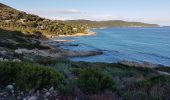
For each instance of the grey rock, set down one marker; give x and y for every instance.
(31, 91)
(138, 64)
(47, 94)
(33, 98)
(24, 98)
(38, 93)
(51, 89)
(10, 87)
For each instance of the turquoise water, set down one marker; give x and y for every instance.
(133, 44)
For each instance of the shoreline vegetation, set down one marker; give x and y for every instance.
(34, 67)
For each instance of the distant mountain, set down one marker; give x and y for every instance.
(166, 26)
(111, 23)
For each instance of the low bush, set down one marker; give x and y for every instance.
(67, 87)
(28, 76)
(51, 61)
(92, 80)
(155, 88)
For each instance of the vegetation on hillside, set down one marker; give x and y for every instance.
(92, 78)
(164, 69)
(29, 76)
(111, 23)
(13, 19)
(15, 40)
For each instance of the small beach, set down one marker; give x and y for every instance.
(86, 33)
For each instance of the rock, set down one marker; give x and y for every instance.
(38, 93)
(24, 98)
(10, 87)
(138, 64)
(47, 94)
(82, 53)
(18, 51)
(51, 89)
(54, 93)
(16, 60)
(33, 98)
(18, 98)
(1, 59)
(31, 91)
(45, 90)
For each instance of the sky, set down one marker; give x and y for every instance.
(150, 11)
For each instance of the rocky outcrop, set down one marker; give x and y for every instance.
(82, 53)
(10, 92)
(139, 64)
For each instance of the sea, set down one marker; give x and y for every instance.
(140, 44)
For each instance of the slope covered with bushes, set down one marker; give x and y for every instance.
(13, 19)
(28, 76)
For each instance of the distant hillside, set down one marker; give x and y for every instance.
(111, 23)
(16, 20)
(2, 6)
(13, 19)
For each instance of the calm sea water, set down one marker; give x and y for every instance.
(133, 44)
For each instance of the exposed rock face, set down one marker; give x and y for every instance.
(57, 52)
(10, 92)
(6, 55)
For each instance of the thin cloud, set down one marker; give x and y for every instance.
(54, 12)
(72, 14)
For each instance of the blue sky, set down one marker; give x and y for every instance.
(151, 11)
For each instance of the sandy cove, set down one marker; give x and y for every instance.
(86, 33)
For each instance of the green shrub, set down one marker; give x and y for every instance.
(28, 76)
(92, 80)
(51, 61)
(155, 88)
(67, 87)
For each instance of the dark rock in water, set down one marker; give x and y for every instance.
(64, 44)
(83, 53)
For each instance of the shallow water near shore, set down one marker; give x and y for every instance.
(132, 44)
